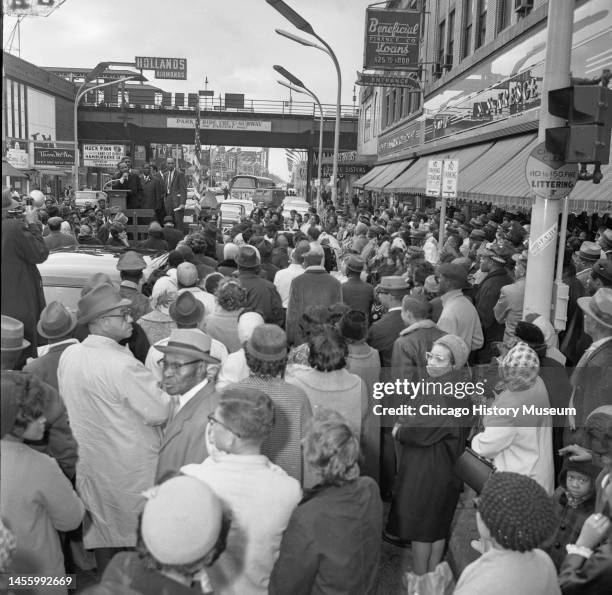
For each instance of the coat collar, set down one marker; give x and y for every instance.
(420, 324)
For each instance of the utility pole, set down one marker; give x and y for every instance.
(545, 212)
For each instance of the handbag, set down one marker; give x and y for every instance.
(473, 469)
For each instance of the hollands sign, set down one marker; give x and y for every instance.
(392, 39)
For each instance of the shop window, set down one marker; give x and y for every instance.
(450, 48)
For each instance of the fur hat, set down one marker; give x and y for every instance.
(516, 510)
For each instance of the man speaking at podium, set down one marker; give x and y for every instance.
(125, 180)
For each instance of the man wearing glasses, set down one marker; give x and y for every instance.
(114, 404)
(193, 398)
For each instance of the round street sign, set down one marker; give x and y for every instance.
(548, 175)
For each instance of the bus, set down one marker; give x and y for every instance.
(262, 191)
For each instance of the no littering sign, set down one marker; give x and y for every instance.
(549, 176)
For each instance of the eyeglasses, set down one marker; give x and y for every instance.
(175, 367)
(439, 358)
(125, 315)
(213, 420)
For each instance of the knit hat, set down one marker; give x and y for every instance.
(458, 348)
(181, 521)
(584, 467)
(520, 367)
(268, 343)
(516, 510)
(354, 325)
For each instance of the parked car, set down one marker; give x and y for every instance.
(66, 271)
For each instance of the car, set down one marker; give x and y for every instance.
(294, 204)
(249, 205)
(66, 271)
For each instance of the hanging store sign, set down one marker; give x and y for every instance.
(102, 155)
(404, 81)
(51, 156)
(239, 125)
(165, 68)
(392, 39)
(547, 176)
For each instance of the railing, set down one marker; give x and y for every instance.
(260, 106)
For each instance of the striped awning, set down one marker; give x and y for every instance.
(388, 175)
(363, 180)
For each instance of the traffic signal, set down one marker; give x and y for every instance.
(588, 111)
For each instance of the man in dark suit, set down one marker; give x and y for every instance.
(382, 337)
(357, 294)
(193, 399)
(152, 190)
(124, 180)
(175, 192)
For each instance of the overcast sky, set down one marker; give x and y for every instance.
(232, 42)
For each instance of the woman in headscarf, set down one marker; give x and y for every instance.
(426, 490)
(515, 438)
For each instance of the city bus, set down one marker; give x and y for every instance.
(262, 191)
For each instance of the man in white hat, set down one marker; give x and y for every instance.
(115, 407)
(592, 378)
(193, 398)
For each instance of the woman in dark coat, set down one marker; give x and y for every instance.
(426, 490)
(332, 542)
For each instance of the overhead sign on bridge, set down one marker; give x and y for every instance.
(220, 124)
(165, 68)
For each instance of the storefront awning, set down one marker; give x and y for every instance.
(479, 173)
(360, 183)
(9, 170)
(593, 198)
(413, 179)
(388, 175)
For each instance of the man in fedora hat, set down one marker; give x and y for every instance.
(115, 407)
(588, 254)
(494, 263)
(187, 312)
(601, 276)
(186, 357)
(23, 247)
(261, 293)
(131, 266)
(357, 294)
(315, 286)
(592, 378)
(382, 335)
(58, 441)
(56, 324)
(459, 316)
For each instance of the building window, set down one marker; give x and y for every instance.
(402, 102)
(367, 123)
(467, 28)
(451, 38)
(504, 14)
(482, 22)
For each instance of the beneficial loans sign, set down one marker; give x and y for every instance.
(392, 39)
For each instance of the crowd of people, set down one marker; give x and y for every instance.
(217, 425)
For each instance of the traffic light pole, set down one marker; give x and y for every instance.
(545, 212)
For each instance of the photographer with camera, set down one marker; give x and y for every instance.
(23, 248)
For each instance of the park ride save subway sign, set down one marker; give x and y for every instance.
(165, 68)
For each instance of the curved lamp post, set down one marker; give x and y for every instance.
(306, 91)
(303, 25)
(83, 90)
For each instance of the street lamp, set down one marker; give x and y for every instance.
(303, 25)
(306, 91)
(83, 90)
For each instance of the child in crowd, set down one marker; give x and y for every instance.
(515, 515)
(574, 501)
